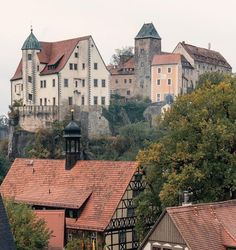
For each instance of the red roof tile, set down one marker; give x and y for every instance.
(166, 59)
(55, 221)
(52, 53)
(98, 185)
(206, 226)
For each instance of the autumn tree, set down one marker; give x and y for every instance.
(196, 153)
(28, 231)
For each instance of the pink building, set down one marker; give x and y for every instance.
(170, 76)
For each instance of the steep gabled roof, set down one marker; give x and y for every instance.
(204, 226)
(94, 186)
(205, 55)
(6, 238)
(55, 54)
(148, 31)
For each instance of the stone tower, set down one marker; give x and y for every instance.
(147, 44)
(30, 68)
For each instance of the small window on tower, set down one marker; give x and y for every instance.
(30, 97)
(29, 57)
(29, 79)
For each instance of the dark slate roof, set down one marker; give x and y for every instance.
(148, 31)
(6, 238)
(206, 55)
(31, 42)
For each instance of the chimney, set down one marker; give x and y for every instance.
(72, 137)
(186, 195)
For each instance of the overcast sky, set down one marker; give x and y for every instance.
(113, 24)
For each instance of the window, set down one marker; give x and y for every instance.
(76, 84)
(66, 83)
(75, 66)
(128, 92)
(95, 66)
(44, 83)
(95, 100)
(125, 80)
(53, 82)
(122, 236)
(71, 66)
(130, 212)
(117, 81)
(41, 84)
(158, 97)
(83, 65)
(130, 80)
(95, 82)
(21, 87)
(82, 100)
(29, 78)
(169, 81)
(103, 100)
(156, 248)
(158, 81)
(54, 101)
(76, 54)
(159, 70)
(83, 82)
(37, 67)
(103, 83)
(70, 100)
(41, 101)
(141, 51)
(45, 101)
(15, 88)
(29, 57)
(169, 70)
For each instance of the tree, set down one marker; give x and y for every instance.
(197, 151)
(28, 231)
(122, 55)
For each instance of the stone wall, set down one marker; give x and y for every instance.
(93, 123)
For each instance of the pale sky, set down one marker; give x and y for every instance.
(113, 24)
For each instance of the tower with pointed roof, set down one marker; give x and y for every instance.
(147, 44)
(29, 49)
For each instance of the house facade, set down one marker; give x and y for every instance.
(122, 79)
(202, 60)
(69, 72)
(193, 227)
(171, 75)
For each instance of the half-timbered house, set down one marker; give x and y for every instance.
(96, 196)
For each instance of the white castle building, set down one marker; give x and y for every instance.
(69, 72)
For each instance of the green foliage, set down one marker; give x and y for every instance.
(4, 166)
(126, 144)
(47, 143)
(121, 113)
(29, 232)
(212, 78)
(197, 152)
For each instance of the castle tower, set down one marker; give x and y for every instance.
(30, 68)
(147, 44)
(72, 137)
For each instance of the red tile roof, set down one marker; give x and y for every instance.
(55, 221)
(52, 53)
(97, 185)
(203, 226)
(206, 226)
(126, 68)
(166, 59)
(206, 55)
